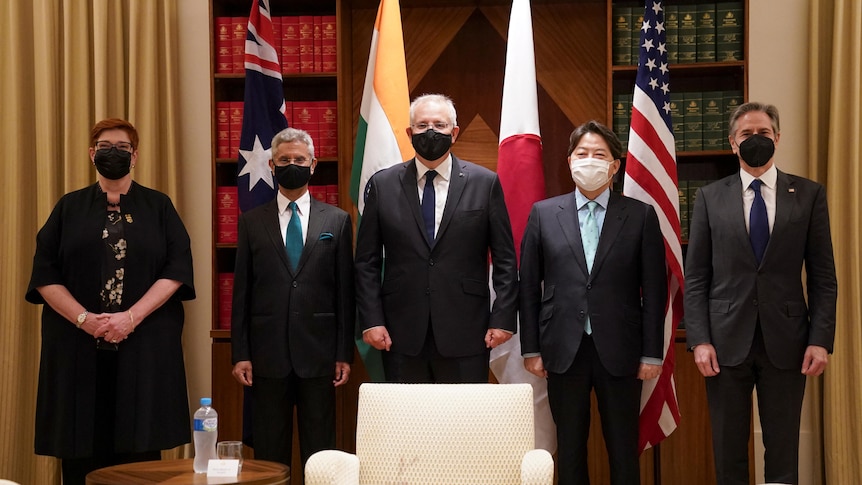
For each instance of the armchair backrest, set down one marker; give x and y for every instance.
(443, 433)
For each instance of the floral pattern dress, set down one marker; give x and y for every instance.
(113, 268)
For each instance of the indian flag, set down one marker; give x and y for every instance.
(381, 139)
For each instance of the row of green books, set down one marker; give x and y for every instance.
(699, 119)
(687, 192)
(703, 32)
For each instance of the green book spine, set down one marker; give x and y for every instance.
(671, 24)
(622, 117)
(729, 31)
(683, 209)
(637, 22)
(693, 185)
(706, 32)
(713, 115)
(622, 37)
(677, 120)
(687, 38)
(730, 101)
(693, 117)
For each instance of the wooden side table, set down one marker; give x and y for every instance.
(181, 472)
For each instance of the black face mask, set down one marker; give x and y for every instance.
(292, 176)
(113, 164)
(756, 150)
(431, 145)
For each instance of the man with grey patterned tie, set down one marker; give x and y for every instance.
(293, 307)
(593, 294)
(746, 316)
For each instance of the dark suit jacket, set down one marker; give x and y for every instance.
(443, 281)
(284, 320)
(726, 292)
(624, 294)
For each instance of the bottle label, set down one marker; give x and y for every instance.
(208, 424)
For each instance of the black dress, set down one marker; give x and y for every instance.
(151, 410)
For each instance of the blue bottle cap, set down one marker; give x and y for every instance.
(206, 401)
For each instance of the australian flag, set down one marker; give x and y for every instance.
(264, 110)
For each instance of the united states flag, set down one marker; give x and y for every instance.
(264, 110)
(651, 177)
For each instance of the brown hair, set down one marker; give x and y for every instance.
(769, 109)
(603, 131)
(114, 124)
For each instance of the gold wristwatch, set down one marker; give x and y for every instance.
(82, 318)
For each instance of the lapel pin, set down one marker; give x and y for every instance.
(791, 190)
(460, 174)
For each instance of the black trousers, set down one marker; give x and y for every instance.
(274, 400)
(779, 398)
(619, 407)
(431, 367)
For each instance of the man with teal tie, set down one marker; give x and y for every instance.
(593, 293)
(746, 316)
(293, 307)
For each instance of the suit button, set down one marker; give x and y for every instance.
(294, 284)
(431, 262)
(427, 291)
(582, 314)
(589, 287)
(755, 302)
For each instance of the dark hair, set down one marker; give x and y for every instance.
(114, 124)
(603, 131)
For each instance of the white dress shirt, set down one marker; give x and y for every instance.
(767, 191)
(441, 187)
(303, 203)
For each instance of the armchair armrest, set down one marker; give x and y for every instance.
(333, 467)
(537, 468)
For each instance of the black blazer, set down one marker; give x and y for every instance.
(443, 281)
(624, 294)
(727, 292)
(284, 320)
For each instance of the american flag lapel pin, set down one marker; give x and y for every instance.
(791, 190)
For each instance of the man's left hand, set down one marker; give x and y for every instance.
(495, 337)
(815, 360)
(648, 371)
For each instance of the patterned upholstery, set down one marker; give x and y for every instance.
(425, 434)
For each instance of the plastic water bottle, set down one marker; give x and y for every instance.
(206, 435)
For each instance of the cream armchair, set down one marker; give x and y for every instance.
(425, 434)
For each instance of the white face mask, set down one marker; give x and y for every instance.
(590, 173)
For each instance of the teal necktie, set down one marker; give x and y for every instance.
(293, 239)
(590, 239)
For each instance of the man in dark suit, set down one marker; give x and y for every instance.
(434, 220)
(593, 294)
(745, 312)
(293, 307)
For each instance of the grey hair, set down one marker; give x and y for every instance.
(744, 108)
(446, 101)
(289, 135)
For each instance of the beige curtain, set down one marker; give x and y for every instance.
(67, 64)
(836, 152)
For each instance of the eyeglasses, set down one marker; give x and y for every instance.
(122, 146)
(295, 161)
(437, 125)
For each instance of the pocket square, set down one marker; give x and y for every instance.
(324, 236)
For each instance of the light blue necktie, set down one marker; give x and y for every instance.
(293, 239)
(758, 222)
(590, 240)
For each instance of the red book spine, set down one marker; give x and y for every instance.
(306, 43)
(238, 29)
(276, 37)
(318, 43)
(227, 214)
(329, 44)
(224, 52)
(332, 194)
(302, 115)
(236, 110)
(328, 137)
(223, 129)
(290, 44)
(225, 299)
(318, 192)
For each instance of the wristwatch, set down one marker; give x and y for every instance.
(82, 318)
